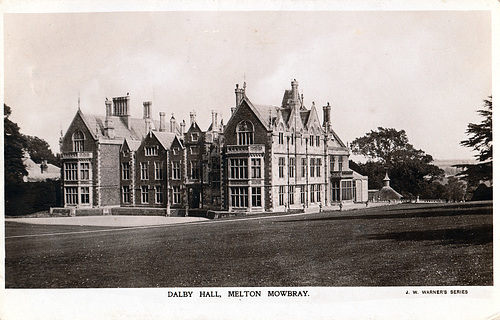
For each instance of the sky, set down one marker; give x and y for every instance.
(425, 72)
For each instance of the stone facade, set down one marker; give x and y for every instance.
(265, 159)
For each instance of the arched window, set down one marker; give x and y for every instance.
(244, 132)
(78, 139)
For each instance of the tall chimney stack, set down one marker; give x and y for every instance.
(326, 115)
(109, 111)
(239, 95)
(183, 127)
(214, 120)
(147, 116)
(109, 130)
(295, 92)
(172, 123)
(192, 117)
(162, 121)
(147, 109)
(121, 109)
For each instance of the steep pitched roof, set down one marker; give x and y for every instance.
(304, 115)
(132, 145)
(137, 131)
(266, 114)
(165, 138)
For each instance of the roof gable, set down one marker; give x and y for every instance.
(313, 120)
(264, 114)
(164, 138)
(80, 116)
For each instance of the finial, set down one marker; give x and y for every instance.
(78, 100)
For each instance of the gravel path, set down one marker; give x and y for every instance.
(108, 221)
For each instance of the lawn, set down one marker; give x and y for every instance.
(401, 245)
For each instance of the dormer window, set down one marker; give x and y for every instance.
(78, 139)
(151, 151)
(175, 151)
(194, 136)
(245, 131)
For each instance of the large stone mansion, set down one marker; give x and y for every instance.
(265, 159)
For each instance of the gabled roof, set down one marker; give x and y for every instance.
(165, 138)
(266, 114)
(313, 115)
(132, 145)
(96, 123)
(194, 126)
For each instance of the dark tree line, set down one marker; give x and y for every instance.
(411, 170)
(389, 151)
(481, 140)
(21, 197)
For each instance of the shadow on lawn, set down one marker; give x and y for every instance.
(408, 213)
(486, 205)
(479, 235)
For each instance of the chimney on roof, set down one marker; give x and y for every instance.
(109, 129)
(148, 123)
(43, 166)
(183, 127)
(214, 120)
(173, 124)
(121, 109)
(109, 111)
(147, 109)
(239, 94)
(192, 117)
(295, 92)
(162, 121)
(326, 116)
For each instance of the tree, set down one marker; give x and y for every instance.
(481, 140)
(39, 150)
(389, 150)
(14, 142)
(455, 190)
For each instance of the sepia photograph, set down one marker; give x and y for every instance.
(257, 159)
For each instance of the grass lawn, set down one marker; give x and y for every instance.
(403, 245)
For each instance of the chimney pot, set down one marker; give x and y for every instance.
(295, 92)
(109, 111)
(326, 115)
(239, 95)
(162, 121)
(192, 117)
(172, 124)
(183, 127)
(214, 120)
(147, 109)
